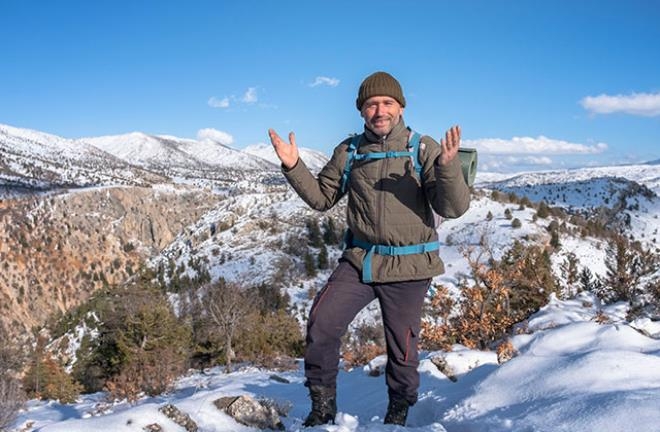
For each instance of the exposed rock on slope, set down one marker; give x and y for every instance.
(55, 252)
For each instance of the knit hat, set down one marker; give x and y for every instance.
(380, 84)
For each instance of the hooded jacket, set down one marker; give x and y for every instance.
(388, 204)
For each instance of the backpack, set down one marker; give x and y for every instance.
(412, 153)
(349, 240)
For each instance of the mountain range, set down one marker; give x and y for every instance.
(35, 161)
(79, 215)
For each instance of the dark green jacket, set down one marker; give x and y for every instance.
(386, 202)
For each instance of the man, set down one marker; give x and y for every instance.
(391, 252)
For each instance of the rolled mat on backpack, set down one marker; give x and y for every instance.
(468, 157)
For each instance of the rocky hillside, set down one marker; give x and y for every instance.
(57, 250)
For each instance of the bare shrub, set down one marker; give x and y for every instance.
(11, 395)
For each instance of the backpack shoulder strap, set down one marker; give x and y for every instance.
(413, 144)
(351, 150)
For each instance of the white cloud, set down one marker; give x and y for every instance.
(528, 145)
(215, 136)
(322, 80)
(529, 160)
(250, 95)
(642, 104)
(214, 102)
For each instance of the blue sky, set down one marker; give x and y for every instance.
(534, 85)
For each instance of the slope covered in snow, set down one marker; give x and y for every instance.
(37, 160)
(571, 374)
(166, 152)
(314, 160)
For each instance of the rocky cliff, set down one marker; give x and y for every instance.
(56, 250)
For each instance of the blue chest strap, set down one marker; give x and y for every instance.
(353, 155)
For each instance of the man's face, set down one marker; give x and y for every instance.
(381, 114)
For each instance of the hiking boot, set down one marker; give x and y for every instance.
(324, 405)
(397, 411)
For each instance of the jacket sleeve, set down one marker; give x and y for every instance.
(322, 192)
(445, 186)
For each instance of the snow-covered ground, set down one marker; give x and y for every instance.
(572, 373)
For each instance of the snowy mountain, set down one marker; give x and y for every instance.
(646, 174)
(314, 160)
(625, 197)
(35, 160)
(581, 365)
(175, 155)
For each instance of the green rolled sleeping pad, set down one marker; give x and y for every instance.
(468, 157)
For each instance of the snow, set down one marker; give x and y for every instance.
(163, 150)
(314, 160)
(571, 374)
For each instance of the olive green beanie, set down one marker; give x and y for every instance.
(380, 84)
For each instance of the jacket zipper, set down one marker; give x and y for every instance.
(381, 197)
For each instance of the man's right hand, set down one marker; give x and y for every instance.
(288, 153)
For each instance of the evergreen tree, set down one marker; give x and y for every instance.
(623, 271)
(586, 279)
(310, 265)
(313, 232)
(569, 268)
(322, 260)
(554, 239)
(543, 211)
(330, 234)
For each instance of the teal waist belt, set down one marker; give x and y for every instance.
(386, 250)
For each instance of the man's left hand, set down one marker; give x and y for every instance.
(449, 145)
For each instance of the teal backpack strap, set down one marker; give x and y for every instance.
(387, 250)
(351, 150)
(413, 152)
(414, 144)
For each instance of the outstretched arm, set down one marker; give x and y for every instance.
(288, 153)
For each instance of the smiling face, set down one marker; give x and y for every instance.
(381, 114)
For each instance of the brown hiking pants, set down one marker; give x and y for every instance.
(338, 303)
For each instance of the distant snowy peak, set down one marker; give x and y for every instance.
(314, 160)
(36, 160)
(643, 174)
(43, 145)
(162, 151)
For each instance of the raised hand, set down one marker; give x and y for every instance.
(450, 145)
(288, 153)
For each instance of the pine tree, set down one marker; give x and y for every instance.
(554, 239)
(310, 265)
(330, 234)
(586, 279)
(569, 268)
(543, 210)
(623, 271)
(313, 232)
(322, 260)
